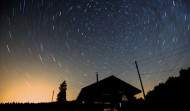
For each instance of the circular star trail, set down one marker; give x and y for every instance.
(44, 42)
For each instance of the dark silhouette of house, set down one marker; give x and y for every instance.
(110, 92)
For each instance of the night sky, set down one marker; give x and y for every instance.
(44, 42)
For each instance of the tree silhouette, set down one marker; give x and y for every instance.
(61, 96)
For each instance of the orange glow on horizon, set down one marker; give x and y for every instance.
(35, 87)
(33, 94)
(31, 89)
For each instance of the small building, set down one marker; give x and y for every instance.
(110, 92)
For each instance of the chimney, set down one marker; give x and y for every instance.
(97, 76)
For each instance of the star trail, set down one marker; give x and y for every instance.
(44, 42)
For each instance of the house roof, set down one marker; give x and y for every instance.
(110, 84)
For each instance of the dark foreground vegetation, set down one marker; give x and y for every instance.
(171, 95)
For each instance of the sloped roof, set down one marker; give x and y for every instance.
(110, 84)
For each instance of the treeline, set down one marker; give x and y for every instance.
(174, 90)
(172, 94)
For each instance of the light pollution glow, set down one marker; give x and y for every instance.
(33, 89)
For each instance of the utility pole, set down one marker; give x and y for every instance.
(140, 79)
(52, 96)
(96, 76)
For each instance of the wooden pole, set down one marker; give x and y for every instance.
(52, 96)
(140, 79)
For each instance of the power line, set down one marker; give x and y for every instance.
(163, 71)
(171, 53)
(118, 72)
(156, 59)
(152, 61)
